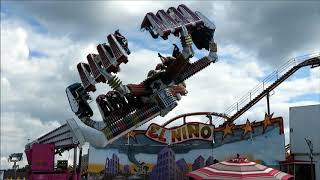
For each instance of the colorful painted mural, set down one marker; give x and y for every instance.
(143, 154)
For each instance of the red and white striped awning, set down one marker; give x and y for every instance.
(239, 168)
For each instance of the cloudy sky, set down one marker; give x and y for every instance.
(41, 43)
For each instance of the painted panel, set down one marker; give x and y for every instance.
(138, 154)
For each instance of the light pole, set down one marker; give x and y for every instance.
(15, 157)
(310, 145)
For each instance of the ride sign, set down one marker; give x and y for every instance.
(189, 131)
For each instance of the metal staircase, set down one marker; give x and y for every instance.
(268, 84)
(67, 136)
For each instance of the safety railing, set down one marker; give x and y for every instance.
(264, 84)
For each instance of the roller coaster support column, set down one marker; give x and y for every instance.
(79, 164)
(75, 174)
(268, 103)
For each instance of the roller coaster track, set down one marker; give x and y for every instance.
(269, 83)
(261, 90)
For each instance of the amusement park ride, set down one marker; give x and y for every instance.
(127, 107)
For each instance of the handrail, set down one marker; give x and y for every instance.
(266, 83)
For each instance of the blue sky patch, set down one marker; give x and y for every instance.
(36, 54)
(36, 25)
(306, 97)
(4, 8)
(301, 73)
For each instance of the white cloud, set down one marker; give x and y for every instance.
(16, 131)
(32, 88)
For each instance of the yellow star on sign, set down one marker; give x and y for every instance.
(267, 120)
(131, 134)
(228, 129)
(247, 128)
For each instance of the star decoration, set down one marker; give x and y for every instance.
(247, 128)
(228, 129)
(132, 135)
(267, 120)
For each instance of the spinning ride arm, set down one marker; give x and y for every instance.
(126, 107)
